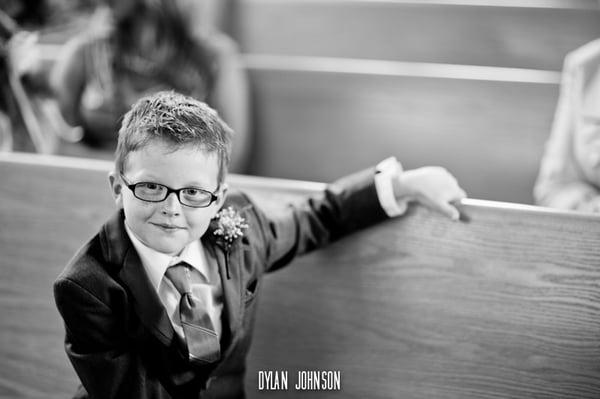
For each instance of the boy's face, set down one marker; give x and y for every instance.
(167, 226)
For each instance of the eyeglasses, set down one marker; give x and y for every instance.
(153, 192)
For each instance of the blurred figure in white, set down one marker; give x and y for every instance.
(569, 176)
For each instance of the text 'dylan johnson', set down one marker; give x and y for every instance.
(305, 380)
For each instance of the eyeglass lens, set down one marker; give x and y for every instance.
(187, 196)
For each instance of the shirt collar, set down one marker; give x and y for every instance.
(156, 263)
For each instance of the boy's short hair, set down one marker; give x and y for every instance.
(178, 121)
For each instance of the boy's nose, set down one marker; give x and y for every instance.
(171, 205)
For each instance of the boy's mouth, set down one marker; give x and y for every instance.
(168, 227)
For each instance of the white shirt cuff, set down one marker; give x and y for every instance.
(386, 171)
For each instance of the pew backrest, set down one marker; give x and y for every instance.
(529, 34)
(314, 119)
(468, 85)
(504, 303)
(317, 120)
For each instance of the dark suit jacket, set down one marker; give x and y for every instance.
(118, 335)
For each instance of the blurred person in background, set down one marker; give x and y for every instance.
(569, 176)
(29, 116)
(25, 102)
(136, 47)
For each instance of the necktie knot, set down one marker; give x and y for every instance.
(179, 275)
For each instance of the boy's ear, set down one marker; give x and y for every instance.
(222, 196)
(116, 188)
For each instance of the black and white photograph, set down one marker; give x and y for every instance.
(383, 199)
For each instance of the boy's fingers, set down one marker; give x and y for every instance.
(458, 195)
(448, 210)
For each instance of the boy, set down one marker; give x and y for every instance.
(161, 302)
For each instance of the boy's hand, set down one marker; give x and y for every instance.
(432, 186)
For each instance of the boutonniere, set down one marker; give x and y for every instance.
(230, 226)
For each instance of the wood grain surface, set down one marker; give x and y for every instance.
(517, 37)
(504, 304)
(314, 125)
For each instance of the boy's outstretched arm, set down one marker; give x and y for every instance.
(432, 186)
(349, 204)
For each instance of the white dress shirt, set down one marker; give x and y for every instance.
(205, 280)
(388, 170)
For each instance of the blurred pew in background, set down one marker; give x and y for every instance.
(340, 83)
(316, 119)
(534, 34)
(470, 85)
(505, 303)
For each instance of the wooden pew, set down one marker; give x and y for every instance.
(505, 303)
(533, 34)
(521, 34)
(316, 119)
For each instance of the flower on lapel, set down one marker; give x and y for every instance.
(230, 225)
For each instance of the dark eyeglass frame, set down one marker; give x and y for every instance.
(132, 186)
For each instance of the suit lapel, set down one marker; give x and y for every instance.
(146, 301)
(120, 253)
(231, 288)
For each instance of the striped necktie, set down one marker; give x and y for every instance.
(200, 336)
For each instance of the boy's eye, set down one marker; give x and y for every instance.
(192, 192)
(148, 187)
